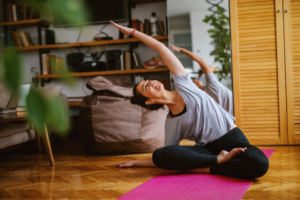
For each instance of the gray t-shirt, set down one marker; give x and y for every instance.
(203, 122)
(221, 94)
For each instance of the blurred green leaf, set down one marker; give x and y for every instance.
(58, 116)
(37, 109)
(11, 70)
(71, 11)
(70, 80)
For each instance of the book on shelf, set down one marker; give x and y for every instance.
(127, 62)
(122, 61)
(147, 27)
(52, 64)
(21, 114)
(160, 27)
(137, 61)
(166, 25)
(136, 24)
(11, 12)
(21, 108)
(26, 39)
(14, 12)
(59, 65)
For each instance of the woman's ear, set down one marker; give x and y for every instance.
(158, 101)
(149, 102)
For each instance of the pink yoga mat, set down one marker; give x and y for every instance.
(182, 186)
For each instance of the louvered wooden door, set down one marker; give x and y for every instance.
(258, 70)
(291, 17)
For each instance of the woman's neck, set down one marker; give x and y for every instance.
(174, 98)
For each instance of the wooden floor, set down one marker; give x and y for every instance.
(24, 174)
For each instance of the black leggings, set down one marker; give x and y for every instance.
(250, 164)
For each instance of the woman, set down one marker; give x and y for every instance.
(221, 94)
(221, 147)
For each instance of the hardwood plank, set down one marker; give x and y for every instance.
(79, 176)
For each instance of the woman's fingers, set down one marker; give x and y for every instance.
(123, 29)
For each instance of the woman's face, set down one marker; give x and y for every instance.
(150, 89)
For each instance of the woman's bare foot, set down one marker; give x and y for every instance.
(205, 170)
(125, 164)
(225, 155)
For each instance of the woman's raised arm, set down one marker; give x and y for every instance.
(204, 66)
(168, 57)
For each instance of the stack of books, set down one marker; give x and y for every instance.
(21, 112)
(126, 60)
(19, 39)
(19, 11)
(162, 27)
(52, 64)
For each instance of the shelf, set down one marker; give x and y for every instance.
(100, 73)
(82, 44)
(145, 1)
(29, 21)
(120, 41)
(74, 103)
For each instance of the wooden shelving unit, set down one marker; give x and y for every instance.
(40, 23)
(25, 22)
(114, 72)
(145, 1)
(81, 44)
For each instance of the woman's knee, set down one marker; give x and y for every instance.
(260, 165)
(161, 156)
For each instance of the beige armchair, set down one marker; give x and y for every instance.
(12, 135)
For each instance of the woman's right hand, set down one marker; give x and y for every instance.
(177, 49)
(125, 164)
(123, 29)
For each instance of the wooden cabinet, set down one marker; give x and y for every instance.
(266, 69)
(291, 9)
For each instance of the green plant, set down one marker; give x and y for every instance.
(221, 39)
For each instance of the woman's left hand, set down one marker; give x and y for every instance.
(177, 49)
(123, 29)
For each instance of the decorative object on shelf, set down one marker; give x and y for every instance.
(34, 79)
(154, 62)
(153, 19)
(221, 37)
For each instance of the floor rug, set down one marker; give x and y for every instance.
(184, 186)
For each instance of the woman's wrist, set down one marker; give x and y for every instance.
(182, 50)
(132, 32)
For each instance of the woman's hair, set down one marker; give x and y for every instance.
(140, 100)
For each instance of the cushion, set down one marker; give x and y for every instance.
(113, 124)
(18, 138)
(4, 95)
(7, 129)
(50, 91)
